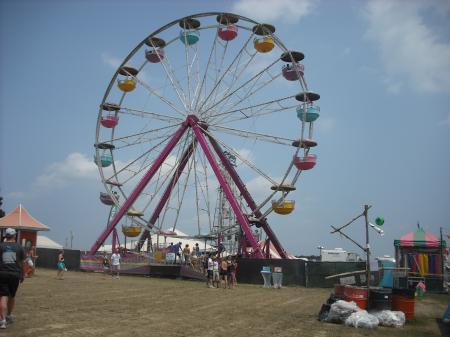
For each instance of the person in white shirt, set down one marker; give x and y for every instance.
(216, 276)
(210, 272)
(115, 264)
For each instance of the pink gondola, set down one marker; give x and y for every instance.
(293, 72)
(155, 55)
(228, 33)
(305, 163)
(106, 199)
(109, 121)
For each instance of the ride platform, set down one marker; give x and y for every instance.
(141, 265)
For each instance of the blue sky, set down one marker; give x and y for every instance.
(381, 67)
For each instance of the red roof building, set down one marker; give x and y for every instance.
(25, 225)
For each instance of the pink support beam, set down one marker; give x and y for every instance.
(227, 190)
(248, 198)
(114, 241)
(139, 188)
(173, 181)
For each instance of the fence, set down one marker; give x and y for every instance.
(48, 258)
(296, 272)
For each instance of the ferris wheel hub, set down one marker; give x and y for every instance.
(192, 120)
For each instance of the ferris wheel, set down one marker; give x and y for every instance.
(190, 96)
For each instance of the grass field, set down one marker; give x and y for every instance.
(89, 304)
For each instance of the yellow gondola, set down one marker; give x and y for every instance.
(127, 85)
(284, 207)
(133, 212)
(131, 231)
(264, 44)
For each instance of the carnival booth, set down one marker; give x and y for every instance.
(26, 227)
(422, 254)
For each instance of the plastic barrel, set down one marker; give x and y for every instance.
(357, 295)
(339, 290)
(404, 300)
(405, 304)
(380, 299)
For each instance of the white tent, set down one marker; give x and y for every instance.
(45, 242)
(165, 240)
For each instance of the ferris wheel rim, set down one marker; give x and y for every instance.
(153, 35)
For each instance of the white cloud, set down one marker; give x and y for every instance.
(290, 11)
(259, 187)
(410, 50)
(245, 154)
(76, 166)
(110, 60)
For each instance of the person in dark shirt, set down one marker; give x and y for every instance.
(11, 274)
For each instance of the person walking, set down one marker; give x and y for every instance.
(216, 275)
(209, 267)
(11, 275)
(234, 266)
(115, 264)
(197, 250)
(223, 272)
(61, 266)
(229, 273)
(105, 263)
(187, 254)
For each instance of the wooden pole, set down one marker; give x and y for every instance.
(443, 266)
(366, 216)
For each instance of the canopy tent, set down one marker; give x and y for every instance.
(20, 219)
(165, 240)
(45, 242)
(25, 225)
(419, 238)
(272, 251)
(424, 255)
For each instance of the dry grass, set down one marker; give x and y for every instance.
(86, 304)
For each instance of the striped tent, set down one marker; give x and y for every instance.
(418, 238)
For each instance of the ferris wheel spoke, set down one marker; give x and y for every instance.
(188, 76)
(157, 94)
(227, 94)
(182, 157)
(181, 197)
(130, 140)
(225, 73)
(251, 92)
(203, 185)
(170, 73)
(254, 135)
(219, 66)
(244, 110)
(197, 183)
(197, 96)
(203, 161)
(239, 70)
(127, 166)
(244, 160)
(148, 114)
(260, 112)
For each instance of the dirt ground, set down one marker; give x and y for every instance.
(90, 304)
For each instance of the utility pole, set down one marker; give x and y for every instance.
(71, 239)
(366, 216)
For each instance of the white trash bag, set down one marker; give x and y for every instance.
(341, 310)
(391, 318)
(362, 319)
